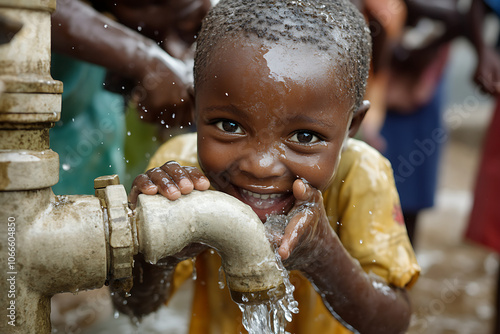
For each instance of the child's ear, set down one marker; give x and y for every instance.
(358, 117)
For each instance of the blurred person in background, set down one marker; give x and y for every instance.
(484, 221)
(412, 132)
(97, 56)
(386, 20)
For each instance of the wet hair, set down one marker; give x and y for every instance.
(335, 27)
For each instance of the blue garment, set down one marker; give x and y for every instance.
(90, 135)
(413, 147)
(494, 5)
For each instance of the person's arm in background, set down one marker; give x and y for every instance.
(161, 81)
(487, 74)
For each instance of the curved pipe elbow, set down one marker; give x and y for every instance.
(220, 221)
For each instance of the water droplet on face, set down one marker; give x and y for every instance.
(116, 315)
(105, 26)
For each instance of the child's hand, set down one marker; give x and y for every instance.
(171, 180)
(307, 227)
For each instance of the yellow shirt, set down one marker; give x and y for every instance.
(363, 207)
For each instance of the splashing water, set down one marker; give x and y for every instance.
(273, 315)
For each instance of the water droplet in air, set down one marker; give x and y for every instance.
(195, 274)
(66, 166)
(222, 283)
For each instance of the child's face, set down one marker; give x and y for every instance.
(267, 115)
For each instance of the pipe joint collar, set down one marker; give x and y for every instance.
(122, 237)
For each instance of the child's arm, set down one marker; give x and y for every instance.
(153, 283)
(360, 300)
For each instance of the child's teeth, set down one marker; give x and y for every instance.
(261, 196)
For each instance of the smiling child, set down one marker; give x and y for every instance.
(278, 93)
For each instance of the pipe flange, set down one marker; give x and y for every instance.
(121, 236)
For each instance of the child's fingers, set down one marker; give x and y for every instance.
(200, 181)
(166, 186)
(294, 230)
(179, 176)
(141, 185)
(303, 191)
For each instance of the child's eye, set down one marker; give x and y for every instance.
(304, 137)
(229, 126)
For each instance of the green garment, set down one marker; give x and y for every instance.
(89, 138)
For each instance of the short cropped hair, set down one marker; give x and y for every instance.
(332, 26)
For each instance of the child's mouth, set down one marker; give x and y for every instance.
(264, 204)
(261, 201)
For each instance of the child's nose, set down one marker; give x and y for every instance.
(263, 164)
